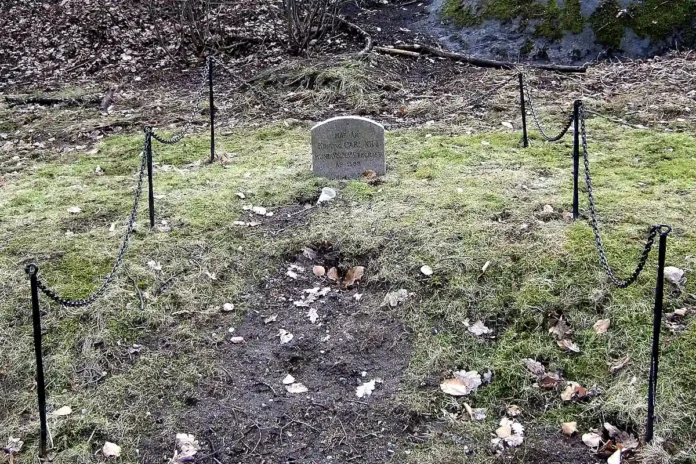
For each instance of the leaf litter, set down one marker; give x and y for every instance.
(462, 384)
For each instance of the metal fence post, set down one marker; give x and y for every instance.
(576, 157)
(525, 140)
(33, 270)
(657, 325)
(212, 109)
(151, 191)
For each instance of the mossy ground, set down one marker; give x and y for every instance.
(609, 21)
(451, 201)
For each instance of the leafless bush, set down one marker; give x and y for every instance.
(307, 20)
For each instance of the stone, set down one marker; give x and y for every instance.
(347, 146)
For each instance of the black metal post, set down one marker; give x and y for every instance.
(576, 157)
(212, 109)
(151, 191)
(32, 270)
(525, 140)
(657, 325)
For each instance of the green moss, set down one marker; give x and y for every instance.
(550, 25)
(654, 19)
(463, 16)
(609, 31)
(571, 18)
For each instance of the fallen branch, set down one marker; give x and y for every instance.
(396, 51)
(485, 63)
(14, 101)
(369, 44)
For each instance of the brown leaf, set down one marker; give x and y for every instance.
(568, 345)
(332, 274)
(369, 175)
(569, 428)
(353, 275)
(561, 330)
(550, 381)
(601, 326)
(574, 392)
(319, 271)
(534, 367)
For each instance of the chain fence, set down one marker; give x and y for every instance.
(654, 230)
(33, 269)
(537, 121)
(196, 110)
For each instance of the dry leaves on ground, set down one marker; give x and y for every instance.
(395, 298)
(462, 384)
(601, 326)
(111, 450)
(510, 433)
(479, 328)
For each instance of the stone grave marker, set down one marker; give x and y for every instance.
(346, 147)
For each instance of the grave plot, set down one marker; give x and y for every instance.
(437, 296)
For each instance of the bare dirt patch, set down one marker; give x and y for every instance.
(251, 417)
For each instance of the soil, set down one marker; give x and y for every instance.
(252, 418)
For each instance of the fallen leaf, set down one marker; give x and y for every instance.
(485, 267)
(270, 319)
(393, 299)
(615, 458)
(353, 275)
(568, 345)
(291, 274)
(296, 388)
(74, 210)
(365, 389)
(327, 194)
(288, 379)
(187, 446)
(285, 336)
(479, 329)
(673, 275)
(111, 450)
(14, 446)
(550, 381)
(64, 411)
(313, 316)
(332, 274)
(462, 384)
(319, 271)
(369, 175)
(309, 253)
(619, 365)
(513, 410)
(624, 439)
(510, 432)
(154, 265)
(561, 329)
(241, 195)
(227, 307)
(569, 428)
(507, 124)
(260, 210)
(535, 367)
(574, 391)
(593, 440)
(601, 326)
(237, 340)
(427, 270)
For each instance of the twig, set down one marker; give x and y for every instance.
(368, 39)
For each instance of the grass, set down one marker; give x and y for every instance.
(451, 201)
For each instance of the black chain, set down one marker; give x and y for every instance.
(196, 109)
(33, 269)
(537, 123)
(662, 228)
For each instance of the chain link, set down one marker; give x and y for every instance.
(196, 109)
(662, 228)
(537, 123)
(33, 269)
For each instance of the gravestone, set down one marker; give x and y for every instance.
(346, 147)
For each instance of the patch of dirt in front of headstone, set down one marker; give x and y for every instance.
(291, 386)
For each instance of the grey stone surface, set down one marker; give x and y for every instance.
(347, 146)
